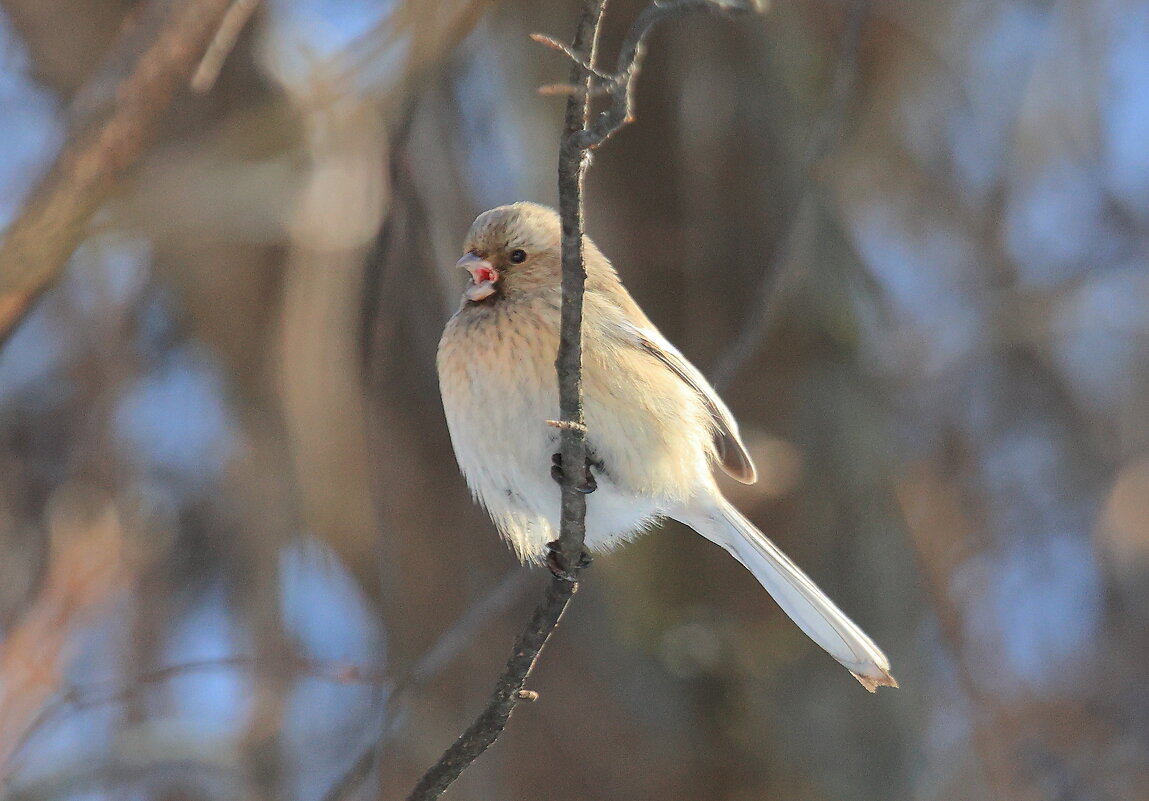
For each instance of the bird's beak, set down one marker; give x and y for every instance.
(483, 277)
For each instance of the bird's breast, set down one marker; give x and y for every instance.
(497, 374)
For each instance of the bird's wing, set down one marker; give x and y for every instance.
(732, 455)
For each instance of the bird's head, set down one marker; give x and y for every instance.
(512, 249)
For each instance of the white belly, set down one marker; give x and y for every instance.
(511, 476)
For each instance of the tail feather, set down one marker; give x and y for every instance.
(798, 596)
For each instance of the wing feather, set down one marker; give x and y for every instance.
(732, 455)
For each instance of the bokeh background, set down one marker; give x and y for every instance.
(907, 240)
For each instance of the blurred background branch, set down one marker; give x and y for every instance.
(106, 141)
(800, 225)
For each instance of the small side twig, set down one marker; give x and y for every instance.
(563, 425)
(620, 86)
(592, 74)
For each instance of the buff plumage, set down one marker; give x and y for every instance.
(656, 429)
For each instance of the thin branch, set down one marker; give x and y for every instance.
(580, 135)
(508, 693)
(38, 244)
(449, 645)
(823, 138)
(568, 362)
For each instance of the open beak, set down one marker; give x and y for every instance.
(483, 277)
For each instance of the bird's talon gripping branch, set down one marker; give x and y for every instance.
(588, 485)
(558, 564)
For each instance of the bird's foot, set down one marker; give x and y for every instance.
(558, 564)
(588, 484)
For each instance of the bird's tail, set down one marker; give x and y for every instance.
(798, 596)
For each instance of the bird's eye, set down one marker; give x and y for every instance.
(518, 256)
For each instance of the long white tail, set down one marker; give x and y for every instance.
(798, 596)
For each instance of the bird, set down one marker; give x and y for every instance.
(656, 429)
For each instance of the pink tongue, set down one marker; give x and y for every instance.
(481, 290)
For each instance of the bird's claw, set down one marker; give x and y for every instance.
(558, 565)
(588, 484)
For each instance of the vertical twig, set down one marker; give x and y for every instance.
(568, 363)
